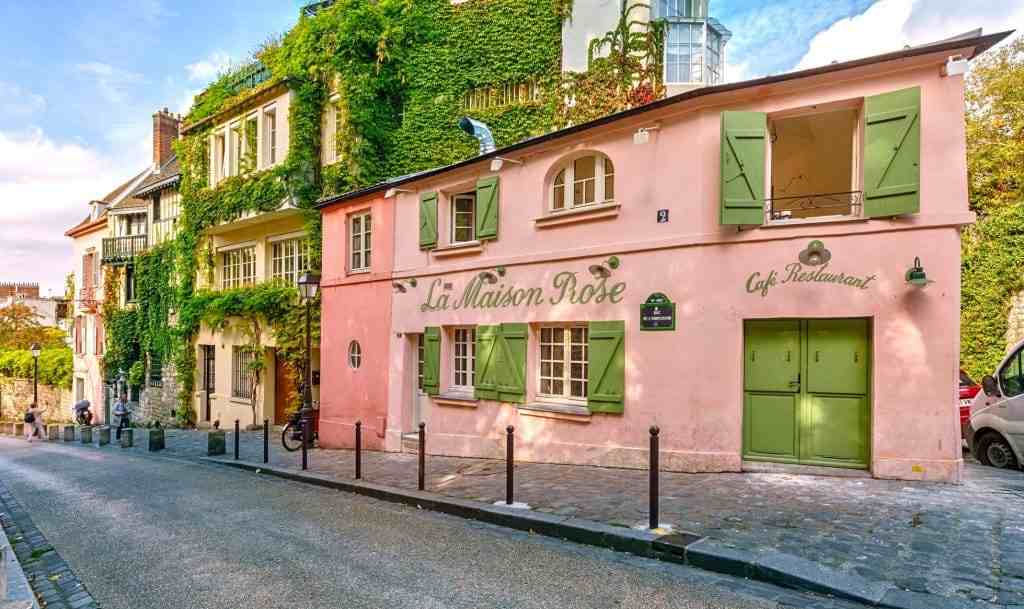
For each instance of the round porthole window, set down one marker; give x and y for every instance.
(355, 354)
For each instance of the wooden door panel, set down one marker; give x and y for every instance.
(837, 429)
(837, 356)
(770, 428)
(772, 356)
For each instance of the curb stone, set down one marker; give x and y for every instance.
(772, 567)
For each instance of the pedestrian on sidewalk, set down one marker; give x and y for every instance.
(34, 422)
(123, 413)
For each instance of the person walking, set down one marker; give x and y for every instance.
(123, 413)
(34, 422)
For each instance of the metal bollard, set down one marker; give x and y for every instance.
(266, 440)
(423, 455)
(236, 439)
(305, 443)
(653, 509)
(359, 450)
(509, 465)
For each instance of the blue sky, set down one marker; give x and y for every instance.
(81, 79)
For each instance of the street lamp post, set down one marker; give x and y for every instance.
(309, 285)
(36, 351)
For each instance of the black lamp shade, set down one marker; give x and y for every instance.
(309, 285)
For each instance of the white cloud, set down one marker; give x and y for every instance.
(889, 25)
(114, 83)
(16, 101)
(208, 68)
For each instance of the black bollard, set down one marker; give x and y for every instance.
(359, 450)
(509, 464)
(653, 510)
(423, 455)
(236, 439)
(305, 443)
(266, 440)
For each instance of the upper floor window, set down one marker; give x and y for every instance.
(250, 131)
(463, 217)
(238, 267)
(333, 130)
(220, 157)
(585, 181)
(129, 283)
(360, 231)
(235, 145)
(690, 9)
(288, 259)
(269, 136)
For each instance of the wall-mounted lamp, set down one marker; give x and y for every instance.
(400, 288)
(500, 270)
(488, 277)
(815, 254)
(916, 276)
(955, 66)
(498, 162)
(643, 134)
(391, 192)
(604, 270)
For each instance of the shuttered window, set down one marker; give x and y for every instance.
(892, 153)
(463, 358)
(487, 208)
(428, 220)
(501, 362)
(463, 218)
(563, 362)
(742, 168)
(606, 375)
(432, 361)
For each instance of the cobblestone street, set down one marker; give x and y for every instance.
(960, 542)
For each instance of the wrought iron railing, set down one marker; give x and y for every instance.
(87, 299)
(311, 9)
(123, 249)
(815, 205)
(249, 78)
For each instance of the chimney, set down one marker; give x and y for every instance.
(165, 131)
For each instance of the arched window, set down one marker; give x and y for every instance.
(586, 180)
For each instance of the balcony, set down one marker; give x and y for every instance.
(121, 250)
(832, 204)
(87, 299)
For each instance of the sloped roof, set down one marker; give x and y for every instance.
(123, 196)
(168, 175)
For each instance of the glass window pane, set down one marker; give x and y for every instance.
(583, 168)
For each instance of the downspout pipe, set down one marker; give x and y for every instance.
(481, 132)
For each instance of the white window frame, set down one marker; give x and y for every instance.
(218, 154)
(247, 145)
(331, 130)
(234, 147)
(243, 379)
(365, 248)
(289, 258)
(270, 157)
(567, 170)
(235, 266)
(566, 343)
(463, 359)
(453, 217)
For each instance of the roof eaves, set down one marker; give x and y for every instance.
(213, 118)
(979, 43)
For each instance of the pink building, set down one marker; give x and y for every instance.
(769, 271)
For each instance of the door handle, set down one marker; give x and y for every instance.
(795, 382)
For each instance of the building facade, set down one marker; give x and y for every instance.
(767, 271)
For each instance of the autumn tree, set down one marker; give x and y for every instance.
(20, 329)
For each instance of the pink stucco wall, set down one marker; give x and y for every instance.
(689, 382)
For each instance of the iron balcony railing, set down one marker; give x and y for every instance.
(123, 249)
(251, 77)
(815, 205)
(87, 299)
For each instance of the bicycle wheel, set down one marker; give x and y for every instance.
(290, 444)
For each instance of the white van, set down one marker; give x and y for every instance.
(996, 431)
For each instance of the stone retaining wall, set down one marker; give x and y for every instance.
(16, 395)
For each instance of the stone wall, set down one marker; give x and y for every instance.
(1015, 322)
(158, 403)
(16, 395)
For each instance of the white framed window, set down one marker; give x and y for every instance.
(563, 362)
(333, 130)
(219, 158)
(586, 180)
(235, 148)
(243, 376)
(288, 259)
(250, 144)
(360, 232)
(269, 136)
(420, 360)
(463, 217)
(355, 355)
(238, 267)
(463, 359)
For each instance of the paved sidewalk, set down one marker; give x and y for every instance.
(963, 543)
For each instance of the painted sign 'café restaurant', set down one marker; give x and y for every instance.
(769, 271)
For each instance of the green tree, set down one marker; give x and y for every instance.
(20, 329)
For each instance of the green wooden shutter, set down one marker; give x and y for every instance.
(428, 220)
(432, 360)
(487, 192)
(511, 372)
(742, 167)
(892, 153)
(606, 374)
(486, 388)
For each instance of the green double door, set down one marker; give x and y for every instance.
(806, 392)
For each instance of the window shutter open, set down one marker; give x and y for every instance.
(486, 388)
(487, 208)
(432, 360)
(742, 167)
(511, 371)
(428, 220)
(606, 374)
(892, 153)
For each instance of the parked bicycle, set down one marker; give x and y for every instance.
(291, 435)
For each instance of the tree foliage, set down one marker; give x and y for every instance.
(20, 329)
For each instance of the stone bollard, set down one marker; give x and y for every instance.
(103, 434)
(69, 433)
(127, 439)
(85, 434)
(19, 429)
(53, 432)
(155, 439)
(216, 443)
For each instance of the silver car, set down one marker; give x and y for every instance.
(996, 431)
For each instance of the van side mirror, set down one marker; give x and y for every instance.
(990, 387)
